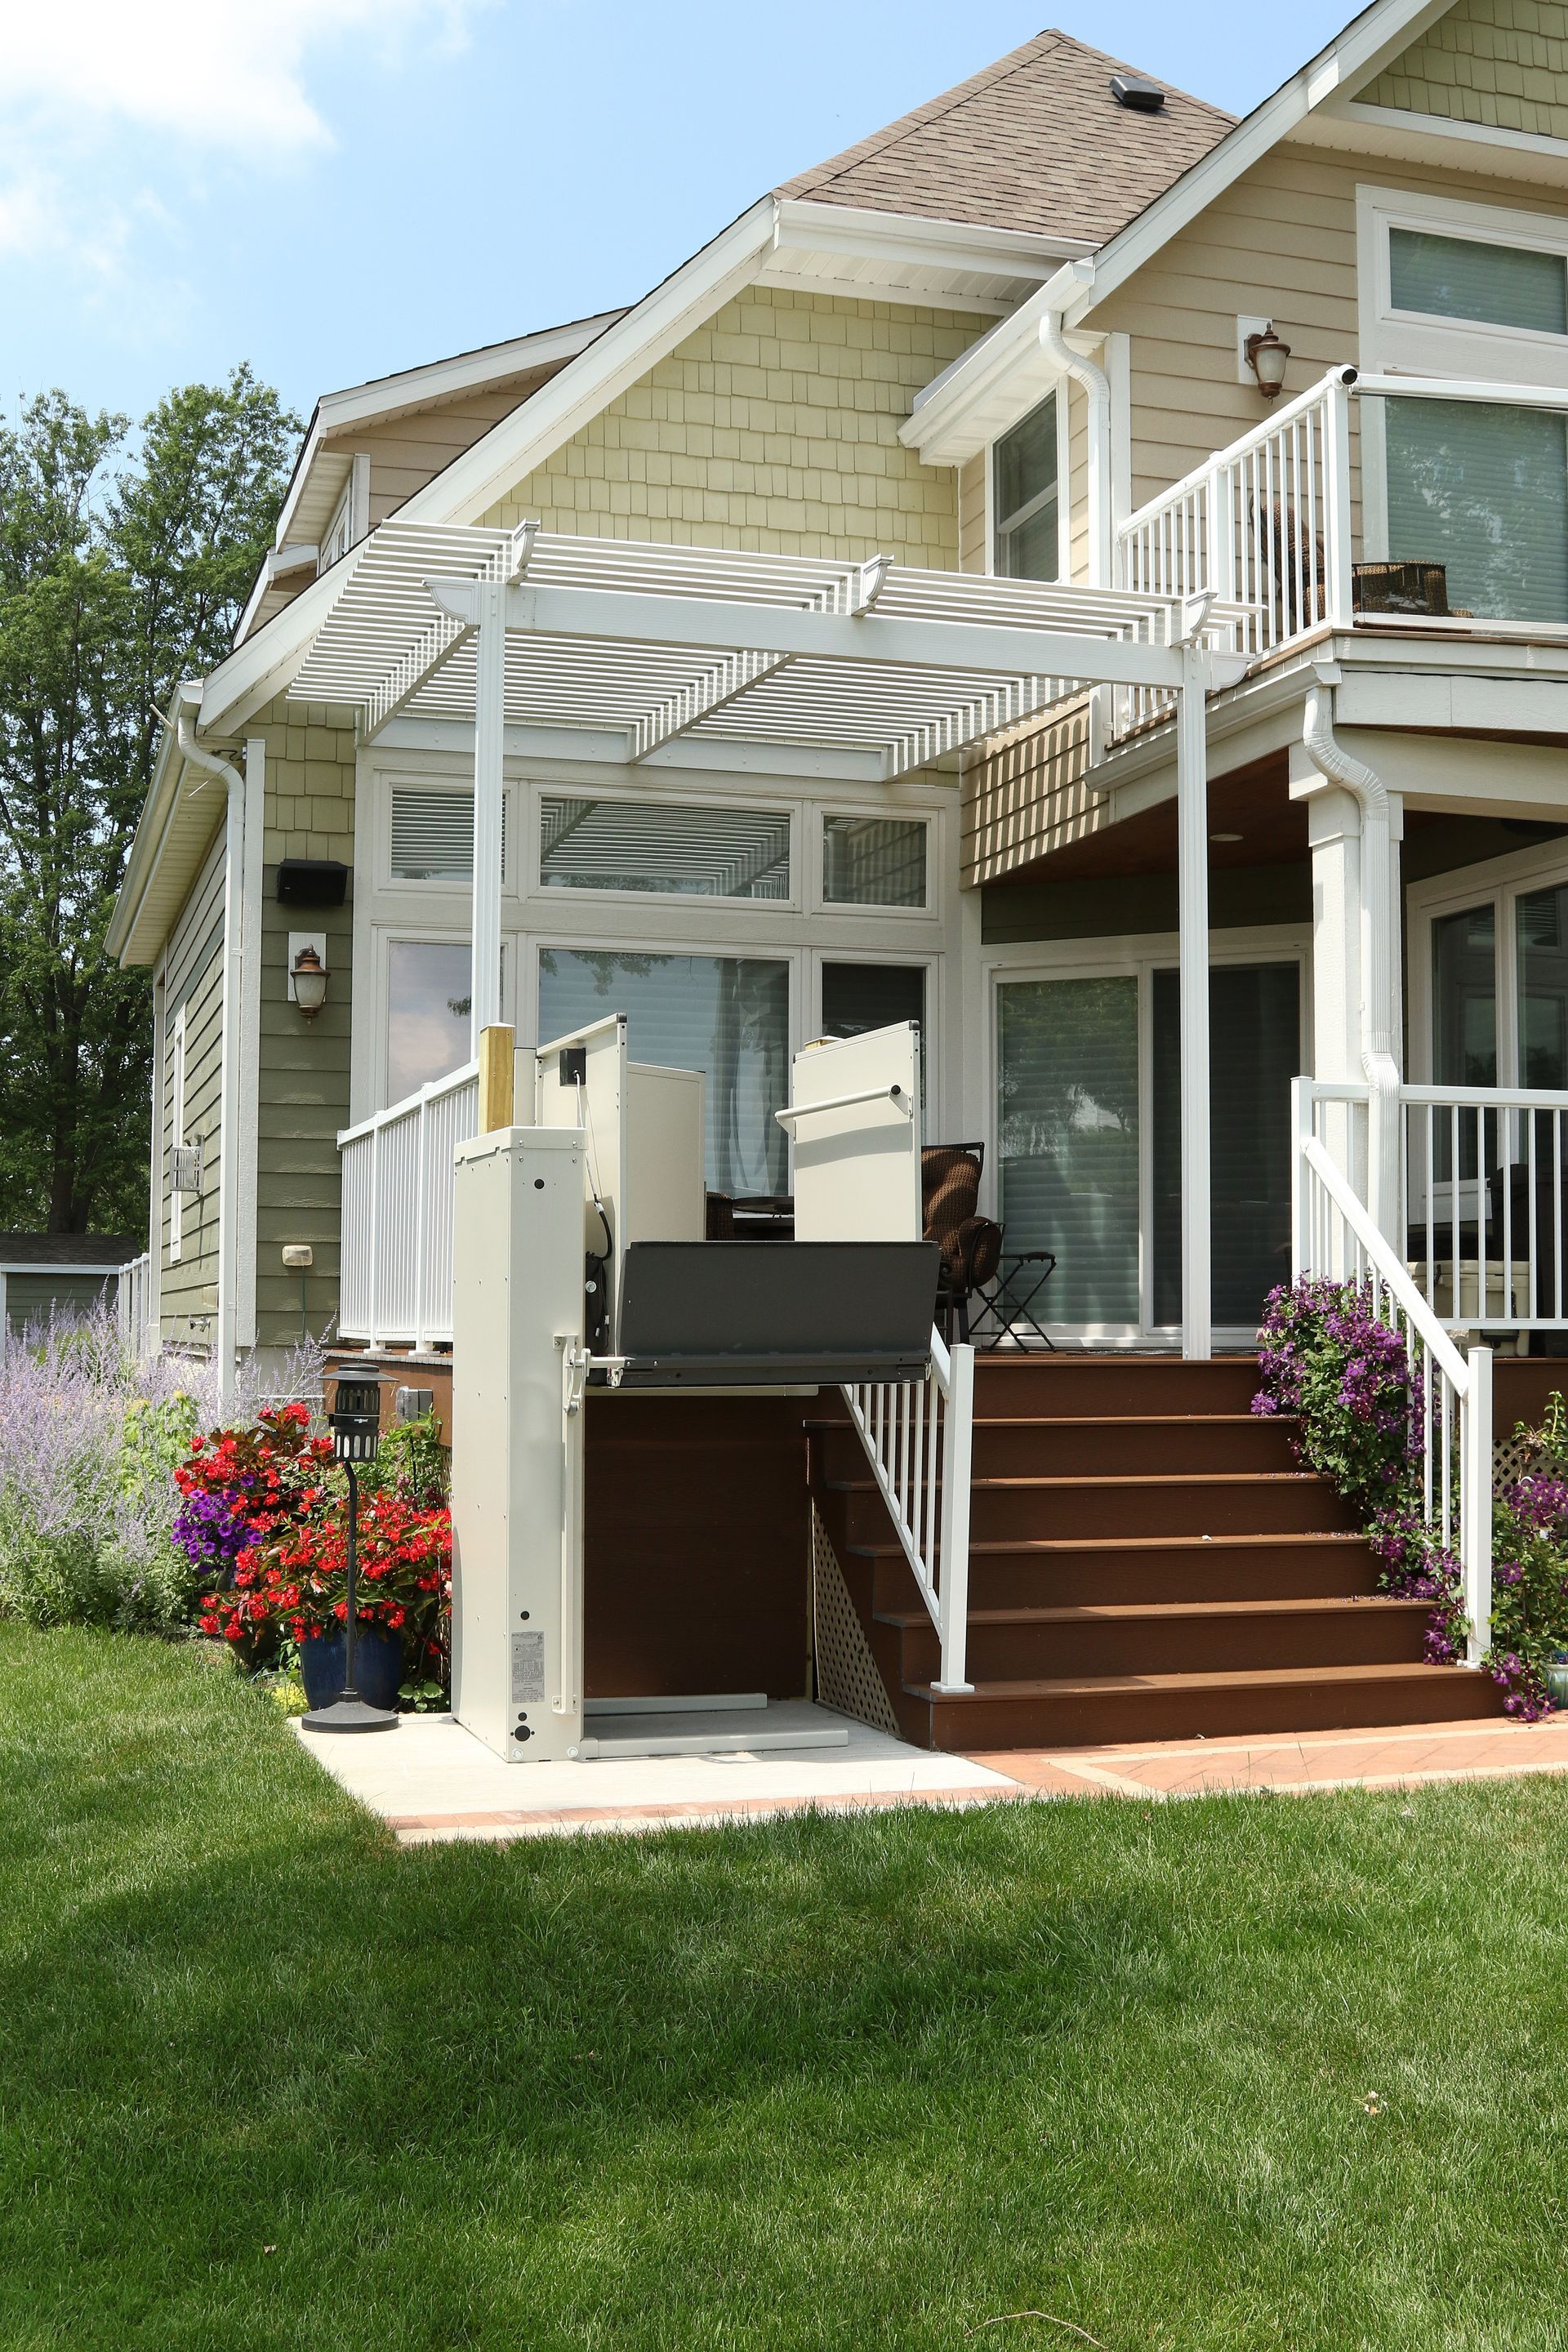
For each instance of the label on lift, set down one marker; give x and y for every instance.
(527, 1667)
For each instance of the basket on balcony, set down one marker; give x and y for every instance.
(1405, 584)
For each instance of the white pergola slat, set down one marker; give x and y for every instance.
(649, 643)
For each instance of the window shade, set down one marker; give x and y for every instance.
(655, 846)
(1482, 490)
(872, 861)
(1460, 278)
(727, 1016)
(1068, 1121)
(433, 835)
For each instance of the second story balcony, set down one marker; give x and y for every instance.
(1389, 504)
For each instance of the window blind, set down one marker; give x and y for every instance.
(664, 848)
(1461, 277)
(1067, 1118)
(873, 861)
(1482, 490)
(433, 835)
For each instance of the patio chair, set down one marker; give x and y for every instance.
(1405, 584)
(970, 1244)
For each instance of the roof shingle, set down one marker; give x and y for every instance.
(1034, 142)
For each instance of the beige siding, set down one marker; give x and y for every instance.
(1027, 795)
(774, 427)
(303, 1066)
(194, 982)
(1500, 62)
(410, 451)
(1281, 243)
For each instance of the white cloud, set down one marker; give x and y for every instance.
(211, 71)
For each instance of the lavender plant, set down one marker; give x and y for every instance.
(90, 1435)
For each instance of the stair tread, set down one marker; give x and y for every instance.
(1120, 1612)
(1243, 1678)
(1099, 1421)
(1114, 1478)
(1003, 1546)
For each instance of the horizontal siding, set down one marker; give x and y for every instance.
(775, 427)
(410, 451)
(194, 982)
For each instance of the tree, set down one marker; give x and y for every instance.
(112, 587)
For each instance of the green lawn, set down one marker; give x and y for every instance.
(266, 2080)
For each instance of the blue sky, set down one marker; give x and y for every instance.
(335, 188)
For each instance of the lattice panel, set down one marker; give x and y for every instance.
(847, 1673)
(1511, 1459)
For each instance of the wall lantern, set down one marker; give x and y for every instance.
(1266, 356)
(356, 1430)
(308, 982)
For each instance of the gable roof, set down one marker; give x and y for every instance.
(1034, 142)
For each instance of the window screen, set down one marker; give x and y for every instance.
(433, 835)
(873, 861)
(727, 1016)
(1460, 278)
(651, 846)
(1067, 1116)
(1482, 490)
(1025, 487)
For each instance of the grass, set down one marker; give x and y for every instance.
(267, 2082)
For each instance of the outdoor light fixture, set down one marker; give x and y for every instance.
(308, 975)
(356, 1428)
(1266, 356)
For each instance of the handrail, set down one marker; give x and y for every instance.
(1258, 438)
(1392, 1269)
(431, 1091)
(1470, 388)
(926, 1489)
(893, 1094)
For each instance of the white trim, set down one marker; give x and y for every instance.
(1418, 126)
(919, 241)
(814, 815)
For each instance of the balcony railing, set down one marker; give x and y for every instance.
(1459, 516)
(396, 1248)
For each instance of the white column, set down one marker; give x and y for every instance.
(1193, 902)
(490, 749)
(1333, 835)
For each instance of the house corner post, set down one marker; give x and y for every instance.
(1193, 917)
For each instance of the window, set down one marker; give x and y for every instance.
(1066, 1120)
(668, 851)
(1024, 490)
(1482, 488)
(1466, 278)
(873, 861)
(430, 992)
(433, 834)
(727, 1016)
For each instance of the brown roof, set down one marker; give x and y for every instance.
(1034, 142)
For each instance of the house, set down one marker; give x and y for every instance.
(1280, 399)
(48, 1276)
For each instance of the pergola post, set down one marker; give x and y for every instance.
(490, 751)
(1192, 922)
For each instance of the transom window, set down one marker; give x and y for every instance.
(433, 834)
(663, 849)
(874, 861)
(1024, 490)
(1467, 278)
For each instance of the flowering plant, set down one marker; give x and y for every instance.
(1328, 1360)
(1530, 1566)
(238, 1487)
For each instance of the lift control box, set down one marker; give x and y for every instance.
(517, 1482)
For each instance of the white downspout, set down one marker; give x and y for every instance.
(233, 783)
(1096, 389)
(1377, 993)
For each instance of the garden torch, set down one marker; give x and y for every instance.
(356, 1428)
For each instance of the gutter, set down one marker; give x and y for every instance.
(234, 930)
(1078, 277)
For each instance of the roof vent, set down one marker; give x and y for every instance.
(1131, 90)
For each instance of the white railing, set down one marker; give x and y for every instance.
(396, 1280)
(919, 1438)
(1263, 526)
(133, 1306)
(1333, 1234)
(1483, 1196)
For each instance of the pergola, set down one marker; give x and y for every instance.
(870, 669)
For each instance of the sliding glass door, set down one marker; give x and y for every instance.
(1089, 1139)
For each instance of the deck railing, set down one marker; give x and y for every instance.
(133, 1306)
(919, 1439)
(1333, 1234)
(396, 1249)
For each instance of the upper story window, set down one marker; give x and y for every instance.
(432, 833)
(1025, 498)
(874, 861)
(1467, 278)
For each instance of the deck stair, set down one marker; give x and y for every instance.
(1147, 1561)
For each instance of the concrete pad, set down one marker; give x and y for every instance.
(431, 1780)
(1397, 1756)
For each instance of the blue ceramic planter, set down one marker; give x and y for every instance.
(378, 1666)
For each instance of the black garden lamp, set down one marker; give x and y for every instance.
(356, 1431)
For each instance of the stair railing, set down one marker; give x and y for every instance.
(1332, 1235)
(919, 1439)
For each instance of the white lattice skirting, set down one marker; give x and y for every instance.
(847, 1673)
